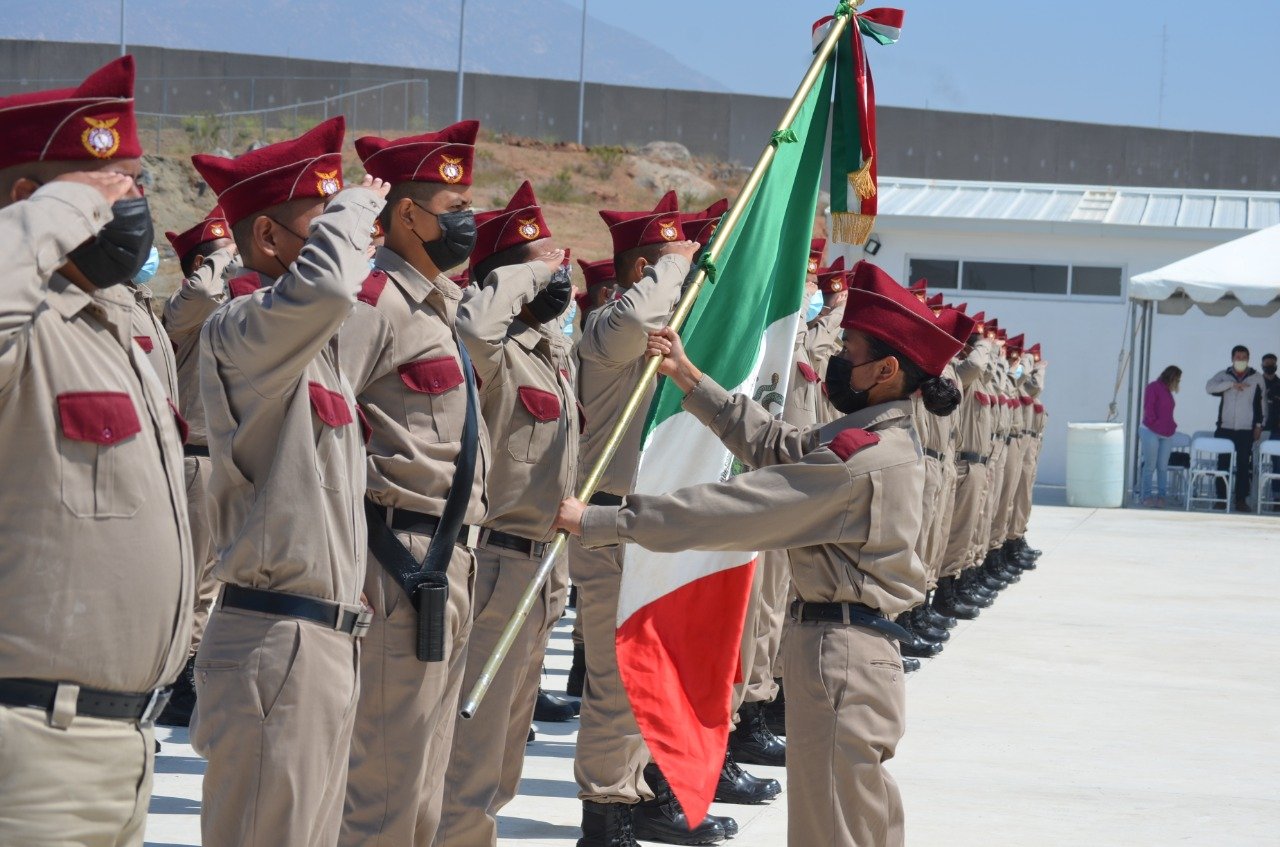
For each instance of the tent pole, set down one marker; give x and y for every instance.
(1130, 430)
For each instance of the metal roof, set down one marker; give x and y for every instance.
(1145, 207)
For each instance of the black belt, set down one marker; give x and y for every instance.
(91, 702)
(601, 498)
(406, 520)
(507, 541)
(1009, 437)
(853, 614)
(295, 606)
(933, 453)
(195, 450)
(971, 458)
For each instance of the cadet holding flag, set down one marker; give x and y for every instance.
(276, 673)
(818, 492)
(95, 567)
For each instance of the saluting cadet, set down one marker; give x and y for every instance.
(276, 673)
(821, 493)
(428, 460)
(510, 323)
(95, 566)
(651, 260)
(206, 254)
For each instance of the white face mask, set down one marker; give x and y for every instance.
(815, 306)
(1240, 365)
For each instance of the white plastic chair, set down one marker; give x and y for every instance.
(1179, 442)
(1264, 475)
(1204, 474)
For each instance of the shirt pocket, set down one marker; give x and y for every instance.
(436, 402)
(99, 450)
(330, 413)
(534, 423)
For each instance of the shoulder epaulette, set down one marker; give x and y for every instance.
(851, 441)
(372, 287)
(243, 285)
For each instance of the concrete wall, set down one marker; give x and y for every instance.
(1082, 339)
(729, 127)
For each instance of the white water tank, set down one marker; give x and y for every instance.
(1095, 465)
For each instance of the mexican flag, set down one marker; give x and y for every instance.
(680, 616)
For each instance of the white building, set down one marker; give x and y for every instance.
(1054, 261)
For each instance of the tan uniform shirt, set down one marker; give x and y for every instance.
(95, 565)
(850, 526)
(527, 376)
(402, 357)
(184, 314)
(804, 394)
(287, 479)
(611, 357)
(149, 334)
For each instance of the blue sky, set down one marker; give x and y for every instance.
(1097, 62)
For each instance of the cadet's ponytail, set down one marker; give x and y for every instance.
(940, 396)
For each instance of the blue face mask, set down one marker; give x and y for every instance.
(569, 315)
(1017, 372)
(815, 306)
(149, 267)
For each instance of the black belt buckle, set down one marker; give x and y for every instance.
(155, 705)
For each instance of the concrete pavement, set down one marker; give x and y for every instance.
(1125, 693)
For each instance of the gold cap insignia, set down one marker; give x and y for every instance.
(529, 229)
(668, 231)
(100, 137)
(451, 170)
(218, 231)
(813, 265)
(327, 183)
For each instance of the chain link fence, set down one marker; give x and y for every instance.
(399, 105)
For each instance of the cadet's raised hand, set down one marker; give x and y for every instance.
(682, 248)
(675, 364)
(553, 259)
(113, 186)
(569, 516)
(375, 185)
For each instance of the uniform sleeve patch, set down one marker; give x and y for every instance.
(145, 342)
(372, 287)
(806, 371)
(243, 286)
(851, 441)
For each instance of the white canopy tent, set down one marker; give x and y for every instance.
(1241, 274)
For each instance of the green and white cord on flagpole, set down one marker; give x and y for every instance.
(706, 269)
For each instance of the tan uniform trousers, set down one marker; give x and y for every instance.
(275, 703)
(931, 514)
(196, 469)
(610, 757)
(971, 492)
(488, 750)
(938, 539)
(762, 631)
(408, 710)
(846, 712)
(1026, 487)
(87, 785)
(995, 482)
(1008, 491)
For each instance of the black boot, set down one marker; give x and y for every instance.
(532, 736)
(1029, 552)
(972, 592)
(934, 615)
(662, 819)
(752, 743)
(606, 825)
(182, 702)
(1017, 554)
(910, 665)
(949, 601)
(740, 788)
(775, 713)
(924, 628)
(577, 672)
(919, 649)
(573, 598)
(552, 708)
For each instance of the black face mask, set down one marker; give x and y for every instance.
(843, 396)
(551, 301)
(120, 248)
(457, 238)
(1269, 370)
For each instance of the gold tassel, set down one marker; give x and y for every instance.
(852, 227)
(861, 182)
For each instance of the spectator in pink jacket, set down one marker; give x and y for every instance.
(1156, 433)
